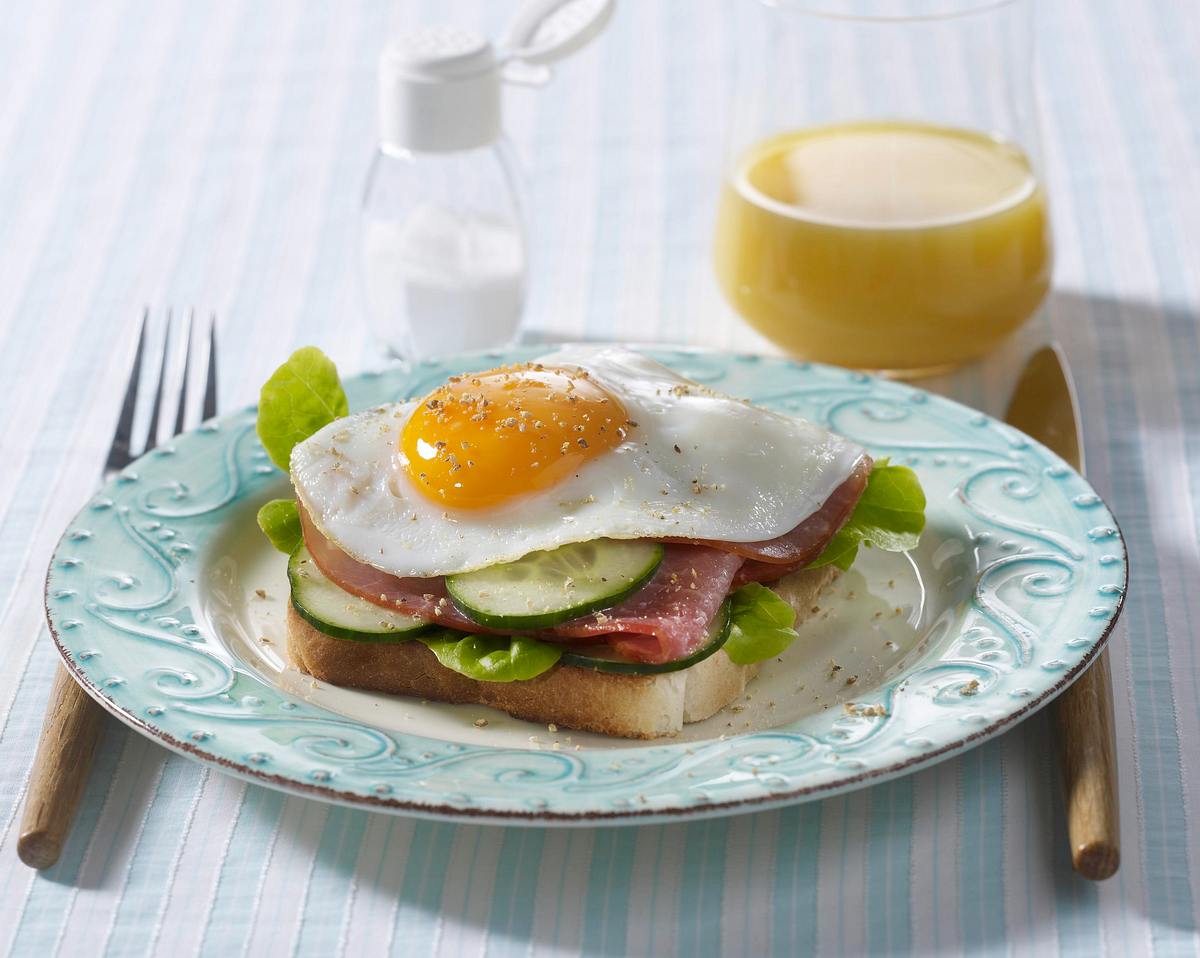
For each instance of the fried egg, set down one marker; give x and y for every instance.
(585, 443)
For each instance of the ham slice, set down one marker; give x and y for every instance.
(664, 621)
(754, 571)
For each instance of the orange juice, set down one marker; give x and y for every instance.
(886, 245)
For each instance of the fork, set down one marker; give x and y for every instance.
(73, 723)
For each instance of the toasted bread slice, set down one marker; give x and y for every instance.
(629, 706)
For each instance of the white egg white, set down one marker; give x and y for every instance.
(698, 465)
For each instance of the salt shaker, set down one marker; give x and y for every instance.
(444, 245)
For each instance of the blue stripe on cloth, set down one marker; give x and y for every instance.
(33, 492)
(750, 913)
(144, 894)
(567, 859)
(935, 878)
(889, 843)
(476, 837)
(288, 157)
(702, 888)
(80, 193)
(125, 806)
(36, 123)
(1029, 837)
(41, 920)
(231, 912)
(669, 833)
(794, 890)
(982, 850)
(1075, 901)
(15, 32)
(327, 299)
(842, 817)
(547, 253)
(1181, 64)
(510, 920)
(327, 892)
(690, 175)
(223, 167)
(615, 176)
(1175, 276)
(27, 336)
(158, 844)
(22, 727)
(94, 337)
(609, 879)
(63, 407)
(422, 888)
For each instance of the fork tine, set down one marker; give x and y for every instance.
(118, 453)
(152, 432)
(210, 379)
(183, 380)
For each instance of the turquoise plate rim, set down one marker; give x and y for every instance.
(62, 611)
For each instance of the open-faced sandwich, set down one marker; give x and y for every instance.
(588, 540)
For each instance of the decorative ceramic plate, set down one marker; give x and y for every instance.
(168, 605)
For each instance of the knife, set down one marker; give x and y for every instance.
(1044, 406)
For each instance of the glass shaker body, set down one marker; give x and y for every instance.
(444, 249)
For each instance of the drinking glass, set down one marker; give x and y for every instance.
(882, 203)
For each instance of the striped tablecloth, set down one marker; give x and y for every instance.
(211, 154)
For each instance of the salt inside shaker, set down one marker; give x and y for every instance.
(444, 245)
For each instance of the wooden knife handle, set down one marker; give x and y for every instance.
(1083, 715)
(64, 757)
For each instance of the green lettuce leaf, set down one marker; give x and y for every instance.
(761, 625)
(492, 658)
(889, 516)
(280, 520)
(301, 396)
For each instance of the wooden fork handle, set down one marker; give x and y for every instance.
(64, 757)
(1083, 715)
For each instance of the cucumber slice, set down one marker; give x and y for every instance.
(602, 658)
(332, 610)
(545, 588)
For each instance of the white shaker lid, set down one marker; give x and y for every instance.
(439, 87)
(439, 90)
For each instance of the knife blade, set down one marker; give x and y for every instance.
(1044, 406)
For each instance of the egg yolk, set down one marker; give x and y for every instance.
(485, 439)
